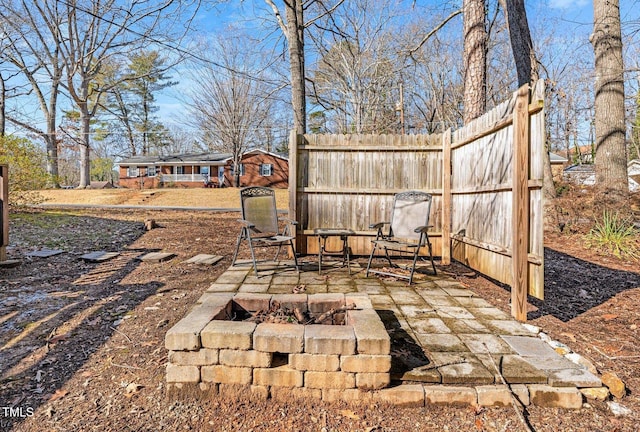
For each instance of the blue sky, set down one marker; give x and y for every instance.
(575, 14)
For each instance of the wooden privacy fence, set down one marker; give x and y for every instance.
(4, 211)
(485, 178)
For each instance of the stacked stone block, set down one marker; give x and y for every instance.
(207, 346)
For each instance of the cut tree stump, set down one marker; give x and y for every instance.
(150, 224)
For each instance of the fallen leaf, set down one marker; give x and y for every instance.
(59, 338)
(350, 414)
(609, 317)
(59, 394)
(479, 424)
(132, 389)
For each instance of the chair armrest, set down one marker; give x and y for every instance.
(422, 229)
(245, 223)
(378, 225)
(287, 220)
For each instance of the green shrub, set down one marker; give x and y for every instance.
(27, 172)
(614, 235)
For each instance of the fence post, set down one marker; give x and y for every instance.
(446, 198)
(4, 211)
(520, 205)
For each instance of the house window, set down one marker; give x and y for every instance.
(179, 169)
(266, 170)
(153, 171)
(132, 171)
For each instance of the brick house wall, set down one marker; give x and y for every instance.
(255, 174)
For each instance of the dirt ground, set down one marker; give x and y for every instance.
(81, 344)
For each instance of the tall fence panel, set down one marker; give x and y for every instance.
(348, 181)
(496, 195)
(486, 180)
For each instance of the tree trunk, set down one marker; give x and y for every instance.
(3, 95)
(295, 31)
(475, 59)
(51, 140)
(527, 70)
(521, 44)
(611, 156)
(85, 154)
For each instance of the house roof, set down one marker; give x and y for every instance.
(254, 151)
(557, 159)
(195, 158)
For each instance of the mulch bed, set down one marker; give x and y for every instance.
(81, 343)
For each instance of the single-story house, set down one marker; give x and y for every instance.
(557, 165)
(586, 174)
(258, 168)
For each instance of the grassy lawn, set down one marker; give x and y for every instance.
(196, 197)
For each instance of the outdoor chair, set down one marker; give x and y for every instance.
(260, 224)
(407, 233)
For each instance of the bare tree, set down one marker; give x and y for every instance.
(475, 58)
(611, 157)
(33, 37)
(357, 77)
(293, 26)
(230, 104)
(434, 94)
(96, 33)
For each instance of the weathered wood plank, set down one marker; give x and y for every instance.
(204, 259)
(446, 198)
(45, 253)
(520, 213)
(99, 256)
(157, 256)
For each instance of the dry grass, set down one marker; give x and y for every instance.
(197, 197)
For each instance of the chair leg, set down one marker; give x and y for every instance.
(413, 266)
(235, 254)
(253, 257)
(386, 254)
(433, 265)
(293, 252)
(375, 246)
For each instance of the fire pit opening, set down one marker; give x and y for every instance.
(277, 312)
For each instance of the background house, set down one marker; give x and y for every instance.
(557, 165)
(258, 168)
(586, 175)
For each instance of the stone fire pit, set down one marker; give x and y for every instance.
(208, 346)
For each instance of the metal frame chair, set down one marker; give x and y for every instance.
(261, 223)
(407, 231)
